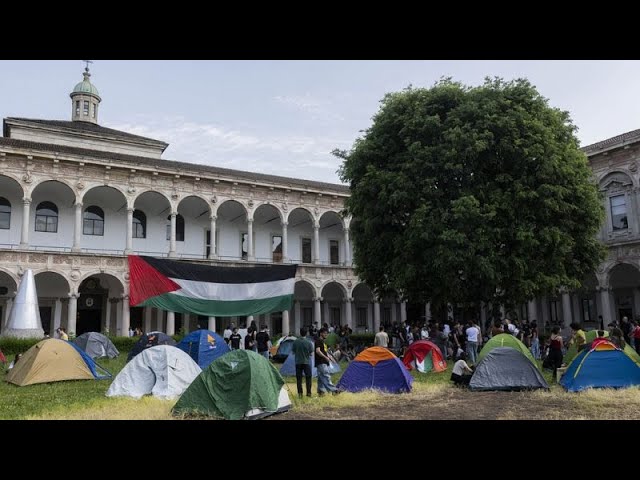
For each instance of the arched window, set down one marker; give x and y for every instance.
(179, 228)
(5, 214)
(139, 224)
(93, 221)
(47, 217)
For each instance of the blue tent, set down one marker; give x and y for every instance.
(376, 368)
(288, 368)
(602, 366)
(204, 346)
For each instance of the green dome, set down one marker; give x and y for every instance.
(86, 87)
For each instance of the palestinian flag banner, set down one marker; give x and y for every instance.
(211, 291)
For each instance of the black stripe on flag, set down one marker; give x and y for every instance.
(215, 274)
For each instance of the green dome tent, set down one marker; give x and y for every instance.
(505, 340)
(240, 384)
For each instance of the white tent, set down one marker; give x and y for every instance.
(163, 371)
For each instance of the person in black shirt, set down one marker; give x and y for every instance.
(322, 364)
(234, 339)
(263, 341)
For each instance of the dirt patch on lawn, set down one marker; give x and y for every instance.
(450, 404)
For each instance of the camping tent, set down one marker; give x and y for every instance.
(288, 368)
(284, 349)
(505, 340)
(162, 371)
(204, 346)
(240, 384)
(377, 368)
(424, 356)
(602, 366)
(2, 357)
(53, 360)
(274, 348)
(96, 345)
(506, 368)
(149, 340)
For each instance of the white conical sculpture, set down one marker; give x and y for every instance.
(24, 319)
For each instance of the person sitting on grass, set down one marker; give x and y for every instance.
(461, 374)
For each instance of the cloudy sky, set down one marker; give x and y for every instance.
(285, 117)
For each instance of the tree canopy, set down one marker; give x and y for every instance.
(464, 194)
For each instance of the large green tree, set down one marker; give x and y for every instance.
(465, 194)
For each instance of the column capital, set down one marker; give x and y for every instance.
(79, 205)
(249, 219)
(73, 295)
(130, 210)
(213, 217)
(316, 225)
(346, 231)
(348, 300)
(318, 299)
(114, 300)
(26, 200)
(125, 296)
(284, 224)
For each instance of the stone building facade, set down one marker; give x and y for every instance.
(76, 198)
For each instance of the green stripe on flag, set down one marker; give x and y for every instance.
(219, 308)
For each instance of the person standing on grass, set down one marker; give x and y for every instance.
(322, 365)
(263, 341)
(234, 339)
(302, 349)
(473, 333)
(381, 339)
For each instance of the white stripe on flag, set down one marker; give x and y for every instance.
(234, 291)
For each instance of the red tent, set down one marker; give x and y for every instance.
(2, 358)
(424, 356)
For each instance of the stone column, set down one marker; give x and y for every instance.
(24, 238)
(427, 311)
(211, 325)
(212, 241)
(317, 317)
(544, 305)
(532, 311)
(57, 317)
(577, 315)
(370, 320)
(172, 241)
(250, 254)
(285, 322)
(347, 248)
(107, 316)
(72, 313)
(376, 316)
(118, 308)
(483, 317)
(567, 318)
(347, 310)
(148, 313)
(77, 228)
(129, 247)
(403, 312)
(297, 318)
(125, 316)
(159, 320)
(394, 313)
(325, 308)
(285, 245)
(316, 243)
(186, 320)
(171, 323)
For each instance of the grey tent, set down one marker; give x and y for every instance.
(505, 368)
(163, 371)
(96, 345)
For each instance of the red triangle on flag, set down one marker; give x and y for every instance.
(146, 282)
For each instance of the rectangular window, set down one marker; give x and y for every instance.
(587, 310)
(306, 250)
(276, 249)
(93, 227)
(5, 220)
(138, 230)
(46, 223)
(85, 110)
(244, 245)
(307, 316)
(553, 306)
(361, 317)
(386, 316)
(77, 107)
(619, 212)
(335, 315)
(334, 252)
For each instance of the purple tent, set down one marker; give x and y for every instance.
(376, 368)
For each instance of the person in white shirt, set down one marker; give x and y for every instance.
(461, 373)
(227, 333)
(382, 339)
(472, 342)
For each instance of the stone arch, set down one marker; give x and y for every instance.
(232, 224)
(52, 283)
(302, 285)
(149, 190)
(305, 209)
(326, 217)
(624, 274)
(110, 186)
(38, 186)
(99, 293)
(343, 289)
(269, 204)
(267, 230)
